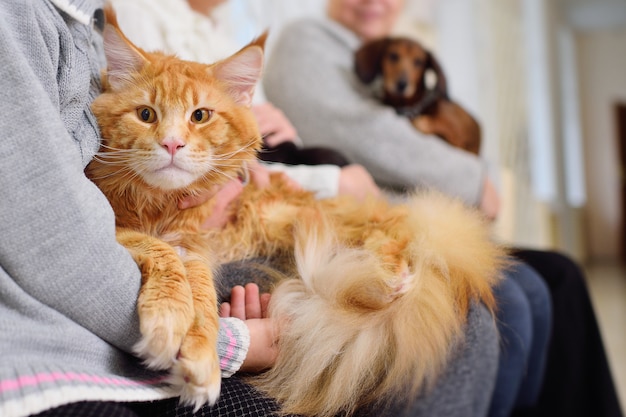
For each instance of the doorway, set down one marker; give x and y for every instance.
(620, 113)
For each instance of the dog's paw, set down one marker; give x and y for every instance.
(425, 124)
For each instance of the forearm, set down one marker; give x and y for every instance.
(58, 232)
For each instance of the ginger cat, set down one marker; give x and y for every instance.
(379, 293)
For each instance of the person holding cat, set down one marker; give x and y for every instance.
(68, 290)
(313, 60)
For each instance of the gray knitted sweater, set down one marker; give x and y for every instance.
(67, 289)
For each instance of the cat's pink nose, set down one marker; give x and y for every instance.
(172, 145)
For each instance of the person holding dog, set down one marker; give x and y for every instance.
(321, 59)
(310, 75)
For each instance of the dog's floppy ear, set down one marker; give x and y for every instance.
(367, 59)
(441, 86)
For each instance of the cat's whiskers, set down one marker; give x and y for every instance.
(116, 160)
(223, 164)
(130, 163)
(229, 175)
(115, 155)
(124, 172)
(112, 148)
(243, 148)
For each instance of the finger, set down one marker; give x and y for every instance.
(226, 195)
(238, 302)
(196, 200)
(265, 301)
(225, 310)
(260, 176)
(279, 136)
(266, 126)
(253, 302)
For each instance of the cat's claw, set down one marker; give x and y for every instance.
(198, 382)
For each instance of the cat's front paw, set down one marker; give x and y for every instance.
(199, 382)
(161, 340)
(196, 373)
(163, 322)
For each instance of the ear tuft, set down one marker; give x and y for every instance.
(123, 57)
(260, 40)
(242, 71)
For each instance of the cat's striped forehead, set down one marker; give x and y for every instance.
(181, 84)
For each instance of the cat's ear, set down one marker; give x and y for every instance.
(242, 71)
(123, 58)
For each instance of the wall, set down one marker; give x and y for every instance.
(602, 71)
(482, 48)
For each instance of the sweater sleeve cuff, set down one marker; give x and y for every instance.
(232, 345)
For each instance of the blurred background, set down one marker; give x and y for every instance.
(547, 81)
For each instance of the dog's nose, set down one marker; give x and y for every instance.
(401, 85)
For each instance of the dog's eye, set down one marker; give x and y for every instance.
(394, 57)
(418, 62)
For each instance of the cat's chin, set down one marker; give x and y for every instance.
(169, 178)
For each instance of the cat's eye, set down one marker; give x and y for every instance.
(201, 116)
(146, 114)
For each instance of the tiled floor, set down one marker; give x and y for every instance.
(607, 284)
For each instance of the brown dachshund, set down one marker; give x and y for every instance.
(403, 64)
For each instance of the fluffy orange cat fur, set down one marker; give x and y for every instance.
(379, 293)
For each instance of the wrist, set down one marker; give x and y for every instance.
(233, 344)
(263, 349)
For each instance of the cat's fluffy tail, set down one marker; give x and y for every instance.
(352, 334)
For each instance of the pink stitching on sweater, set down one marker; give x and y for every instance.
(23, 381)
(230, 350)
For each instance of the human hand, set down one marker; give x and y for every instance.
(248, 305)
(227, 192)
(260, 176)
(490, 201)
(356, 181)
(223, 195)
(273, 125)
